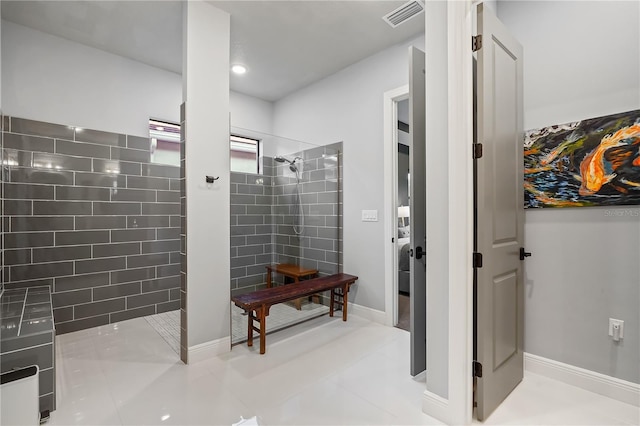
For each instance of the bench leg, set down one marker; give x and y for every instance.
(299, 300)
(250, 329)
(345, 291)
(268, 277)
(331, 301)
(263, 328)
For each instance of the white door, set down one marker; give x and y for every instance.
(417, 202)
(499, 289)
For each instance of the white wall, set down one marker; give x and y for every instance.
(51, 79)
(206, 82)
(581, 61)
(348, 106)
(251, 113)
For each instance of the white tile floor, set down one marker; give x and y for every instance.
(323, 371)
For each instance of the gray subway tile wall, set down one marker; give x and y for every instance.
(262, 218)
(184, 345)
(91, 218)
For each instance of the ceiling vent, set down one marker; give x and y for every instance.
(403, 13)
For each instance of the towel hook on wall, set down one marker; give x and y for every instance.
(211, 179)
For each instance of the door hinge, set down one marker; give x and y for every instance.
(476, 43)
(477, 260)
(477, 369)
(477, 151)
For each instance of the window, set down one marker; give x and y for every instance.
(165, 142)
(244, 153)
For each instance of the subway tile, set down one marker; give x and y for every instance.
(160, 170)
(27, 143)
(18, 207)
(117, 290)
(147, 222)
(10, 345)
(252, 249)
(162, 246)
(98, 308)
(109, 180)
(25, 191)
(55, 254)
(45, 270)
(130, 154)
(77, 282)
(70, 298)
(125, 235)
(82, 193)
(137, 142)
(147, 182)
(147, 299)
(328, 232)
(168, 270)
(82, 149)
(71, 326)
(132, 313)
(238, 178)
(174, 294)
(47, 402)
(42, 356)
(169, 233)
(41, 223)
(118, 249)
(116, 208)
(250, 189)
(243, 230)
(332, 257)
(99, 265)
(258, 209)
(243, 199)
(243, 261)
(63, 314)
(37, 325)
(175, 221)
(133, 195)
(258, 269)
(238, 209)
(173, 305)
(61, 208)
(161, 284)
(17, 158)
(168, 197)
(17, 257)
(100, 222)
(116, 166)
(174, 185)
(175, 257)
(45, 381)
(250, 281)
(99, 137)
(321, 244)
(238, 272)
(160, 209)
(40, 128)
(61, 162)
(258, 239)
(251, 220)
(147, 260)
(332, 221)
(264, 229)
(81, 237)
(129, 275)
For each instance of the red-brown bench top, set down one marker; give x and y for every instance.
(279, 294)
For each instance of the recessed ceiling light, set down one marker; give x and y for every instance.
(239, 69)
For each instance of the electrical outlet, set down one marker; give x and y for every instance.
(616, 329)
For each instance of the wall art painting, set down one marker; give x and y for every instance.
(592, 162)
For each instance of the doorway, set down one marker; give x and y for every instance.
(402, 183)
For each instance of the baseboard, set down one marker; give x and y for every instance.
(370, 314)
(208, 350)
(602, 384)
(436, 406)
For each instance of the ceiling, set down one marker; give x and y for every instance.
(286, 45)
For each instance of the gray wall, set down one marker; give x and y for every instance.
(584, 269)
(262, 218)
(88, 216)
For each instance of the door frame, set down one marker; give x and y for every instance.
(390, 101)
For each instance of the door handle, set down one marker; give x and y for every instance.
(420, 252)
(523, 253)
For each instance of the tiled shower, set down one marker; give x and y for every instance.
(88, 215)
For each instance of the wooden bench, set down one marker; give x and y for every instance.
(257, 303)
(294, 272)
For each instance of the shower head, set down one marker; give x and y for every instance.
(281, 159)
(292, 164)
(293, 168)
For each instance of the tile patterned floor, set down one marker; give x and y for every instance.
(321, 372)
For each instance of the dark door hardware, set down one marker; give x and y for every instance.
(523, 253)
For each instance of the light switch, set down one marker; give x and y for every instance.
(369, 215)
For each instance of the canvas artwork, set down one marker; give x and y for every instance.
(593, 162)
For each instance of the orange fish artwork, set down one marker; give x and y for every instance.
(592, 162)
